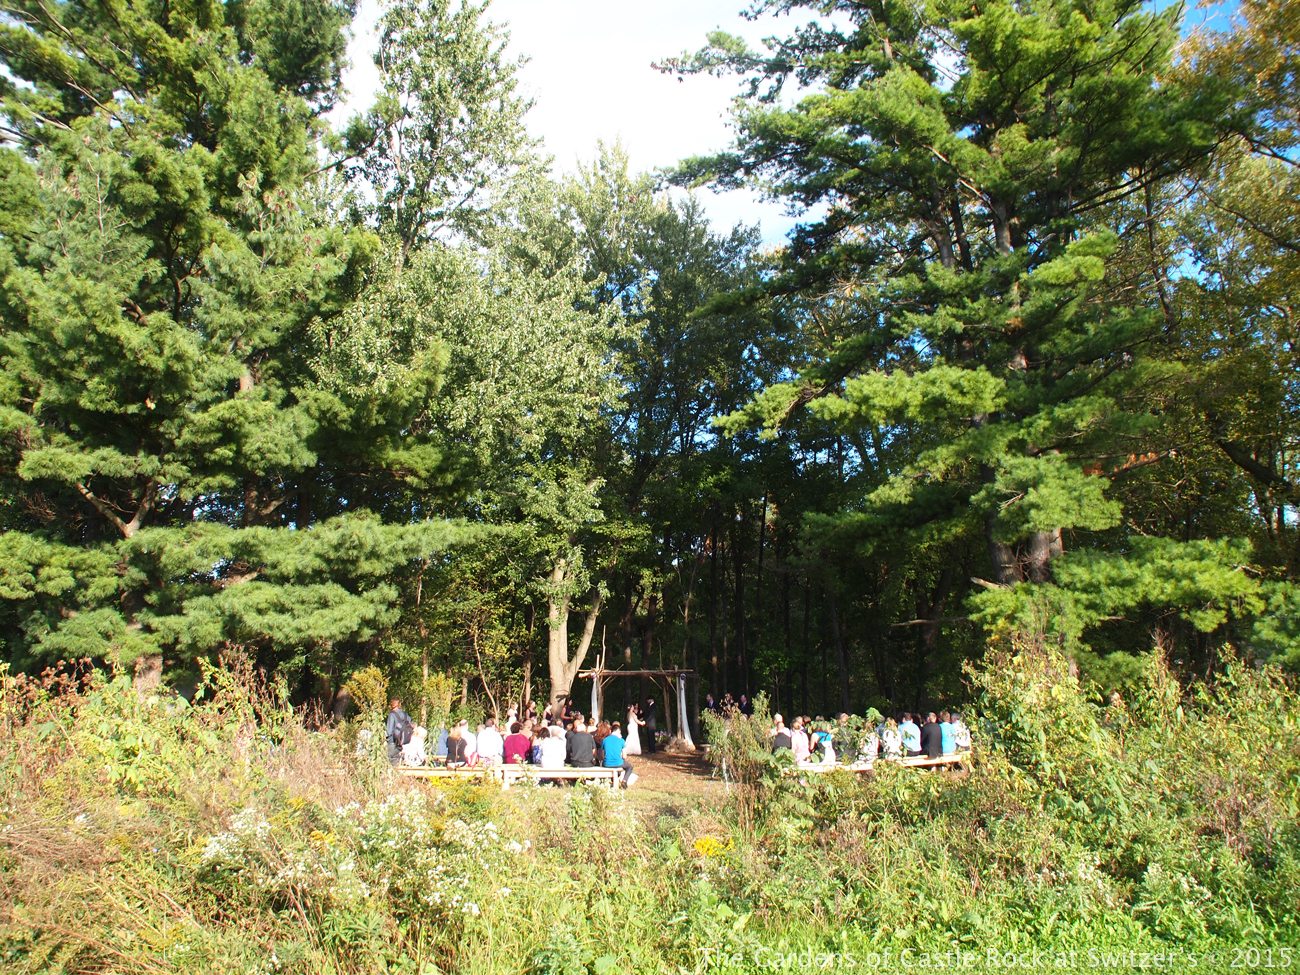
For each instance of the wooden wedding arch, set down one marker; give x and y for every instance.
(600, 675)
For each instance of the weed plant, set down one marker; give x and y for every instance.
(147, 834)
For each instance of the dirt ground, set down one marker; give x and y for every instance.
(674, 785)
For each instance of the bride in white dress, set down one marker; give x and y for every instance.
(633, 737)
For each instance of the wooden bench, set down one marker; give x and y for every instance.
(921, 761)
(609, 778)
(442, 772)
(508, 775)
(914, 761)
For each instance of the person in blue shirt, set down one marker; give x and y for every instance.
(947, 736)
(613, 744)
(911, 733)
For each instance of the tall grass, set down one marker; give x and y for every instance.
(146, 835)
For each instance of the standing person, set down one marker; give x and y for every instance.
(931, 736)
(651, 725)
(868, 747)
(398, 730)
(746, 706)
(634, 723)
(613, 745)
(709, 703)
(843, 737)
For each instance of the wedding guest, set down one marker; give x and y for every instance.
(799, 743)
(613, 754)
(911, 735)
(960, 733)
(456, 746)
(552, 749)
(581, 747)
(891, 740)
(491, 746)
(779, 734)
(516, 747)
(931, 736)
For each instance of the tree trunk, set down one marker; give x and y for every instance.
(563, 667)
(148, 673)
(1043, 547)
(930, 631)
(840, 658)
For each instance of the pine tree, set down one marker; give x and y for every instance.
(990, 176)
(166, 267)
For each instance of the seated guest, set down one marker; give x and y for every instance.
(551, 750)
(779, 735)
(600, 733)
(911, 735)
(440, 748)
(471, 743)
(843, 736)
(516, 747)
(539, 735)
(869, 746)
(613, 745)
(413, 752)
(947, 743)
(456, 746)
(581, 750)
(491, 746)
(931, 737)
(960, 733)
(891, 740)
(800, 745)
(828, 750)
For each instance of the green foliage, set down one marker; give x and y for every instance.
(227, 811)
(369, 691)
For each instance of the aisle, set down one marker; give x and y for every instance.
(676, 774)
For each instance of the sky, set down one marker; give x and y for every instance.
(590, 79)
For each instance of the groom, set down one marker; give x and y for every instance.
(651, 724)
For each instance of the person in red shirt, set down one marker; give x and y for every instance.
(517, 745)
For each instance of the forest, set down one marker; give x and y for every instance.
(298, 413)
(394, 394)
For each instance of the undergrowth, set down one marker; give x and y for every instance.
(145, 834)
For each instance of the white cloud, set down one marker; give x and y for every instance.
(590, 78)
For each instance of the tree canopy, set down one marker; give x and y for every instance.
(399, 394)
